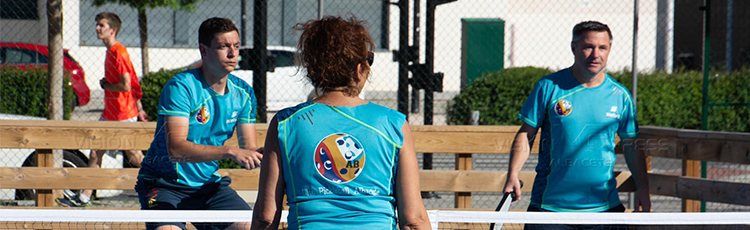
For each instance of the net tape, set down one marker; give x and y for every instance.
(436, 216)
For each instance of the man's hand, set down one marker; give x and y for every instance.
(513, 185)
(246, 158)
(102, 83)
(142, 116)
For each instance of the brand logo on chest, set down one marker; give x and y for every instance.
(563, 108)
(613, 113)
(202, 116)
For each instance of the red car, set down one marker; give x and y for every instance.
(24, 55)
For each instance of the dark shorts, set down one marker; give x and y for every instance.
(619, 208)
(158, 194)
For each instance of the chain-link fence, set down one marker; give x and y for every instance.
(426, 52)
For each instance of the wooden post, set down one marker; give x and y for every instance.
(44, 158)
(463, 199)
(691, 168)
(463, 162)
(649, 170)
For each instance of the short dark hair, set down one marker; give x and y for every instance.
(331, 48)
(212, 26)
(587, 26)
(112, 19)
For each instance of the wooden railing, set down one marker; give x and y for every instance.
(460, 140)
(693, 146)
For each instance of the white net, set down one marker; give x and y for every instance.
(550, 220)
(136, 219)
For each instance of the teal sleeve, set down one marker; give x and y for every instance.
(535, 108)
(628, 126)
(174, 99)
(249, 108)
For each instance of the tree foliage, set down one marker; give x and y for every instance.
(188, 5)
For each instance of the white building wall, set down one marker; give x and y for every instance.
(542, 33)
(71, 25)
(537, 33)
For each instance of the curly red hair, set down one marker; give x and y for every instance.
(331, 48)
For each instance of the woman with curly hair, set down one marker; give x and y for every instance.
(342, 162)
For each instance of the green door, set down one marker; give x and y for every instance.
(482, 47)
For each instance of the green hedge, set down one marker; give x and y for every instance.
(25, 92)
(152, 85)
(667, 100)
(498, 96)
(675, 100)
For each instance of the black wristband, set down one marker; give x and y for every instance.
(102, 83)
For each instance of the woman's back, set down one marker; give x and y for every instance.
(339, 164)
(342, 162)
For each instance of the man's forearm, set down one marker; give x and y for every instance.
(139, 105)
(115, 87)
(636, 162)
(519, 153)
(122, 86)
(189, 152)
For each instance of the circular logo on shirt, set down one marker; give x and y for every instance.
(563, 108)
(339, 158)
(202, 116)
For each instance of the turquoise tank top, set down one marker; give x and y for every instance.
(339, 165)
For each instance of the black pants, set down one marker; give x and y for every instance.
(158, 194)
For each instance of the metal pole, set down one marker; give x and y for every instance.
(706, 68)
(320, 9)
(243, 22)
(665, 35)
(385, 25)
(283, 21)
(429, 59)
(706, 62)
(402, 95)
(634, 77)
(634, 86)
(260, 32)
(429, 55)
(730, 24)
(415, 57)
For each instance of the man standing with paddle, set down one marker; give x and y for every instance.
(580, 110)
